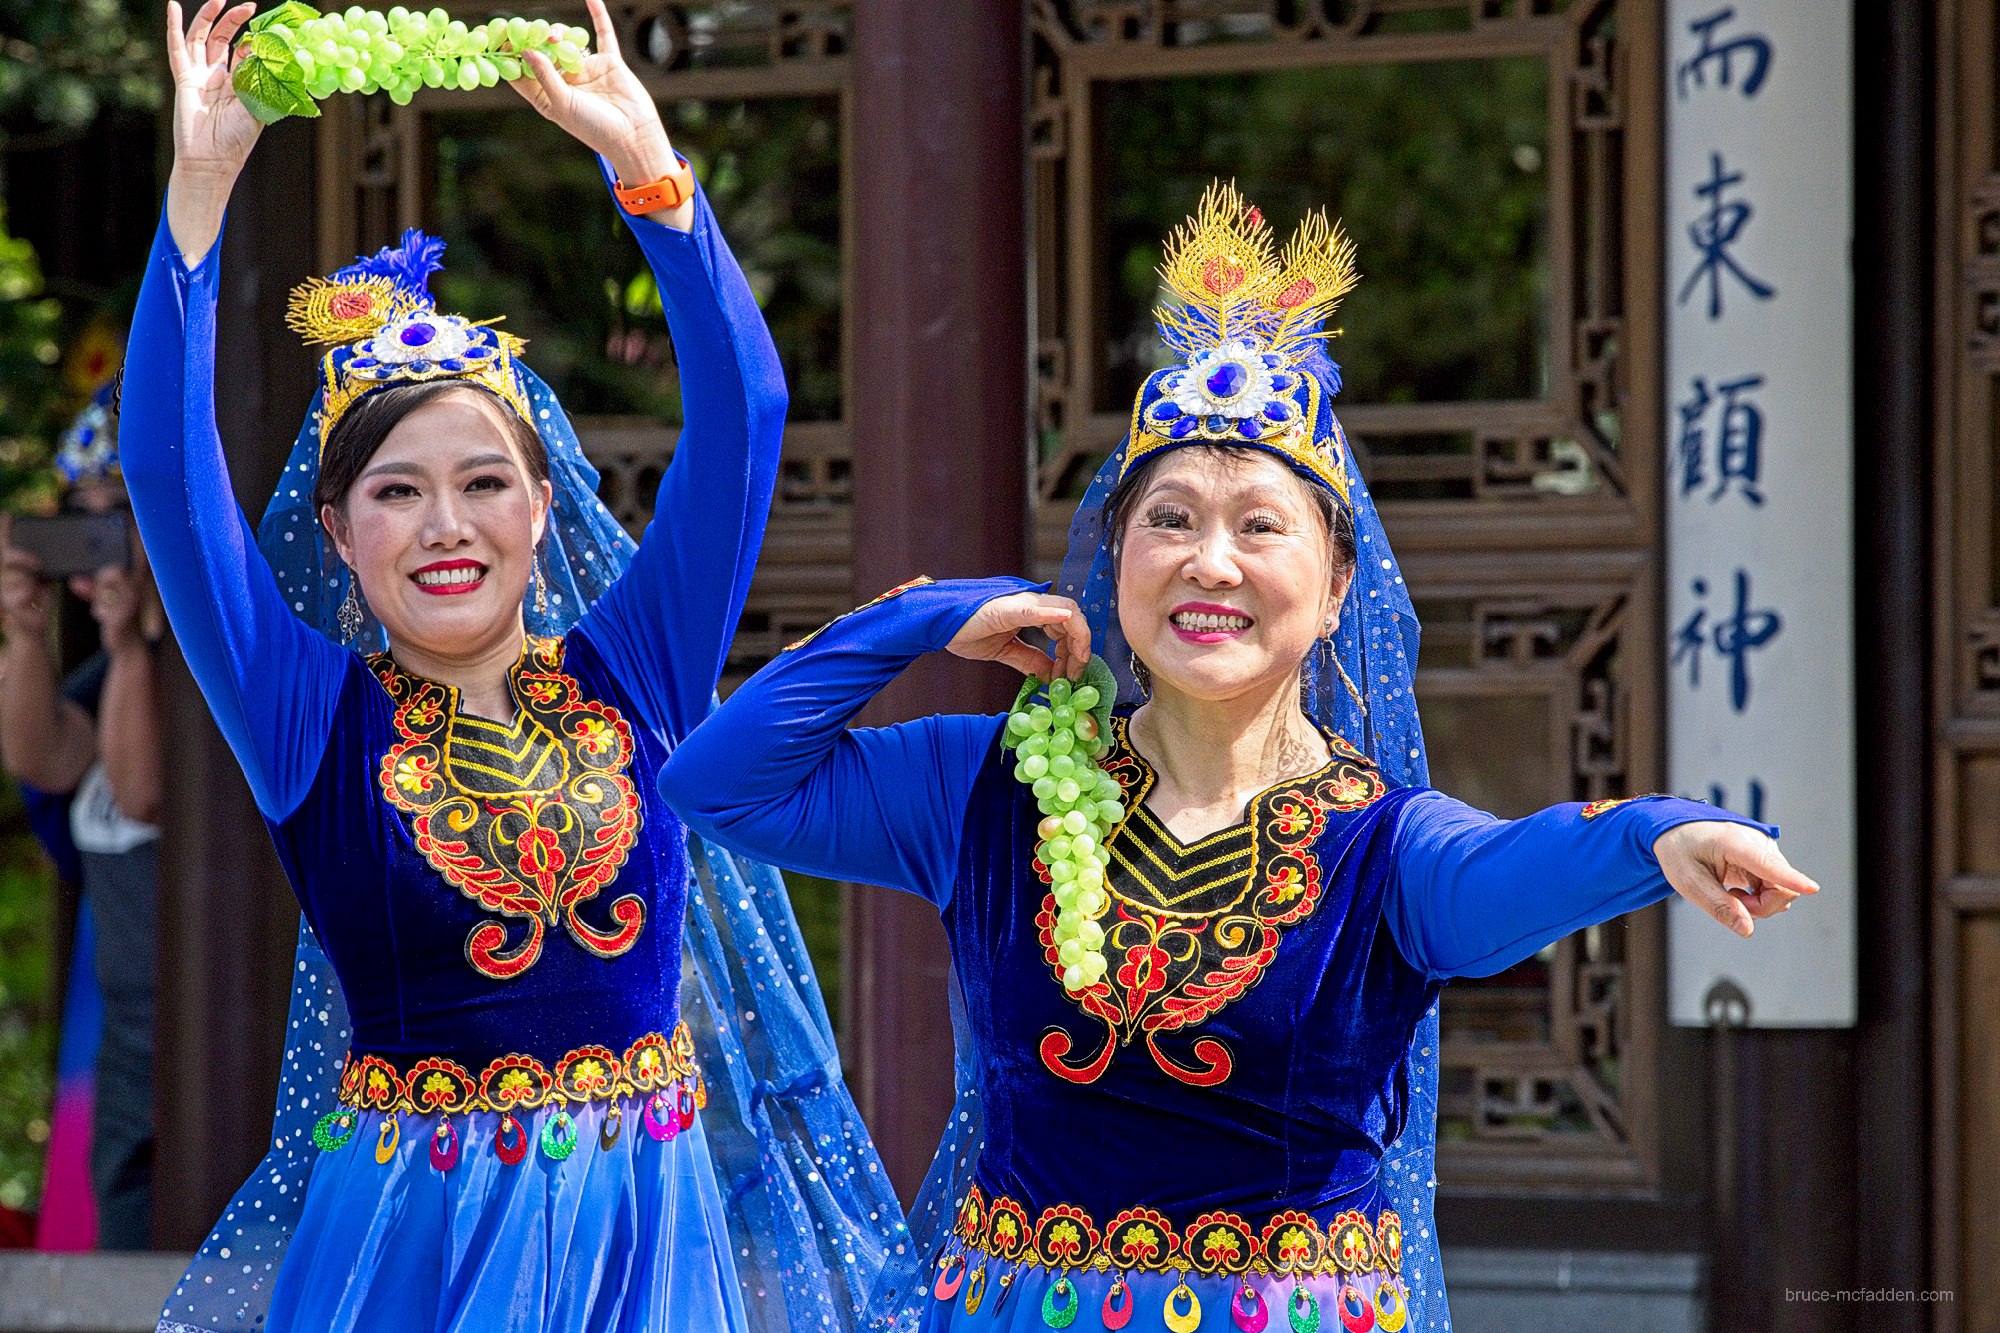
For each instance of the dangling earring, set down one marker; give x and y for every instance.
(1142, 675)
(350, 610)
(541, 588)
(1359, 701)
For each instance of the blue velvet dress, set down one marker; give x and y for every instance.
(1196, 1141)
(520, 1145)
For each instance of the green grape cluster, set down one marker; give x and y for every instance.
(296, 55)
(1057, 734)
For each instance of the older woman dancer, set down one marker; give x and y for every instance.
(1188, 1100)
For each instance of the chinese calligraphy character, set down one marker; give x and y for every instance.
(1738, 443)
(1735, 637)
(1713, 233)
(1717, 795)
(1755, 48)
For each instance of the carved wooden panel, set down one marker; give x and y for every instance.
(1526, 518)
(1966, 595)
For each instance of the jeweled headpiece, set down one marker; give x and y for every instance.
(1248, 322)
(388, 329)
(88, 449)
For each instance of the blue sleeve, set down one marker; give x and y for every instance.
(1474, 895)
(665, 627)
(776, 774)
(271, 680)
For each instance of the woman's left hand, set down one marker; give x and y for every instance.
(1731, 872)
(604, 105)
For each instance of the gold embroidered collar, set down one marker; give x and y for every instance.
(531, 819)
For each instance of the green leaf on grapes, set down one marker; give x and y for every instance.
(1098, 675)
(271, 90)
(290, 15)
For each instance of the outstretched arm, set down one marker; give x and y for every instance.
(665, 627)
(777, 774)
(228, 615)
(1473, 895)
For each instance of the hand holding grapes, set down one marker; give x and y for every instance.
(213, 131)
(602, 103)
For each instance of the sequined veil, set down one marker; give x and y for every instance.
(811, 1212)
(1359, 683)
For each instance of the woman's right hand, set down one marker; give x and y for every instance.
(213, 131)
(994, 634)
(24, 593)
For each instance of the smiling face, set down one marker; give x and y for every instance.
(441, 526)
(1226, 573)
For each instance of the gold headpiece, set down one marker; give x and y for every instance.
(388, 330)
(1247, 322)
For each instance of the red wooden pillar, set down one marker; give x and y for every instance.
(939, 411)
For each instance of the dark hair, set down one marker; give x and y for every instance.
(1337, 518)
(366, 424)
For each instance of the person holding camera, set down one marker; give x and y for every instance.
(94, 739)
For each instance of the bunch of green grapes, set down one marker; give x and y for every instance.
(1058, 733)
(294, 55)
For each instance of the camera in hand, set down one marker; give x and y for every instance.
(68, 544)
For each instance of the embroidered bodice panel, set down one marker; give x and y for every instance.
(1248, 1041)
(487, 888)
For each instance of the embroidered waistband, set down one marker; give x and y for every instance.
(439, 1086)
(1215, 1244)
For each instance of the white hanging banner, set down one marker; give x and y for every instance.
(1759, 486)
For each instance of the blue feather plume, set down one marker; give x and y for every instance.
(408, 265)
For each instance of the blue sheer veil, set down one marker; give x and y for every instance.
(811, 1211)
(1375, 649)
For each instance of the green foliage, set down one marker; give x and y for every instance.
(28, 1005)
(33, 396)
(63, 63)
(534, 236)
(1436, 170)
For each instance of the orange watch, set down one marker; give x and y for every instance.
(669, 191)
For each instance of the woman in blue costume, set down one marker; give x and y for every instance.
(1227, 1115)
(518, 1093)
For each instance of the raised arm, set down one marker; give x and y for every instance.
(271, 681)
(777, 774)
(1473, 895)
(665, 627)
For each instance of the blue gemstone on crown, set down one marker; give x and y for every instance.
(1277, 411)
(1249, 428)
(1227, 380)
(416, 335)
(1164, 410)
(1217, 425)
(361, 363)
(418, 367)
(1183, 428)
(451, 365)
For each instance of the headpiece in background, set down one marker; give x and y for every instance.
(388, 330)
(811, 1212)
(87, 453)
(1236, 305)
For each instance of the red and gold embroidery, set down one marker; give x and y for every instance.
(532, 820)
(1192, 928)
(438, 1086)
(1218, 1243)
(1596, 808)
(897, 591)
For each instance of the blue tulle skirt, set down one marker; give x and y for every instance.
(629, 1238)
(1352, 1304)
